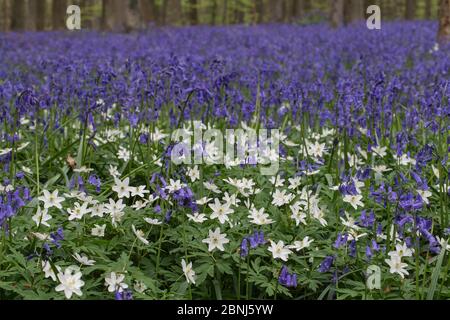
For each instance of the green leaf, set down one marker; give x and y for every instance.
(435, 276)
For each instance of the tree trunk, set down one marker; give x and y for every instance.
(444, 22)
(59, 8)
(276, 11)
(172, 14)
(238, 14)
(428, 5)
(225, 12)
(115, 15)
(41, 14)
(297, 10)
(32, 16)
(259, 8)
(87, 18)
(18, 15)
(337, 13)
(410, 11)
(193, 13)
(353, 11)
(307, 6)
(149, 11)
(4, 25)
(213, 12)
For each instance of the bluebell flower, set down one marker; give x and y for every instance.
(168, 216)
(143, 138)
(95, 181)
(48, 250)
(326, 264)
(368, 253)
(375, 246)
(57, 237)
(379, 229)
(124, 295)
(352, 249)
(341, 240)
(20, 175)
(287, 279)
(244, 248)
(424, 156)
(367, 220)
(254, 240)
(410, 202)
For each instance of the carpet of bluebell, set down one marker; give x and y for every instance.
(93, 207)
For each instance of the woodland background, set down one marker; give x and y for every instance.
(126, 15)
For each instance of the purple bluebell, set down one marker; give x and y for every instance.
(287, 279)
(124, 295)
(326, 264)
(57, 237)
(367, 220)
(341, 240)
(95, 181)
(352, 249)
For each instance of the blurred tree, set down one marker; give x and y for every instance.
(428, 5)
(193, 12)
(41, 14)
(337, 13)
(3, 15)
(238, 12)
(286, 9)
(114, 15)
(353, 11)
(172, 13)
(59, 8)
(18, 15)
(91, 11)
(307, 5)
(225, 12)
(297, 10)
(444, 21)
(259, 11)
(410, 9)
(31, 15)
(149, 11)
(123, 15)
(214, 8)
(276, 10)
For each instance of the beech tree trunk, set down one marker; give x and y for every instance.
(428, 5)
(114, 16)
(259, 11)
(353, 11)
(193, 13)
(214, 7)
(444, 22)
(410, 10)
(4, 16)
(297, 10)
(276, 11)
(337, 13)
(18, 15)
(149, 11)
(59, 8)
(41, 14)
(172, 12)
